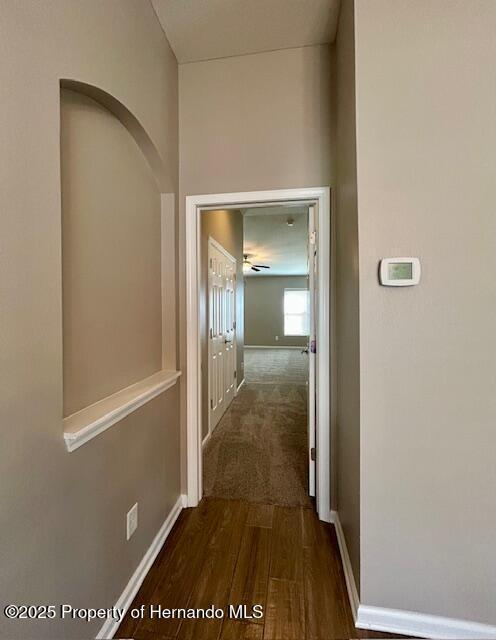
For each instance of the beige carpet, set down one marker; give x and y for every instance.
(276, 366)
(258, 452)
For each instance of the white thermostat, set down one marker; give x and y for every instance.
(399, 272)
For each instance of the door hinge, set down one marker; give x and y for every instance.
(211, 333)
(234, 324)
(211, 404)
(235, 374)
(313, 454)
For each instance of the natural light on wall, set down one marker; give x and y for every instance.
(296, 312)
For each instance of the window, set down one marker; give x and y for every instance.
(296, 312)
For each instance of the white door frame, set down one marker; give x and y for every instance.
(194, 205)
(312, 358)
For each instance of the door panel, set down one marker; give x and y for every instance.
(221, 331)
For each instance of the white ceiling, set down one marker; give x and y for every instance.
(269, 240)
(206, 29)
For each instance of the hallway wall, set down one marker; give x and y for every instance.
(426, 140)
(63, 514)
(261, 121)
(347, 292)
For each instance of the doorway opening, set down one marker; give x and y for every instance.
(284, 381)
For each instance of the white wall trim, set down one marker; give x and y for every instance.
(110, 625)
(83, 426)
(206, 438)
(268, 346)
(168, 280)
(321, 197)
(240, 385)
(422, 625)
(348, 571)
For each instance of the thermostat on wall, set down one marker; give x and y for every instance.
(399, 272)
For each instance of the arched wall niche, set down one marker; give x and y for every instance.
(82, 289)
(132, 124)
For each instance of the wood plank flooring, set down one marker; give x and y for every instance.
(232, 552)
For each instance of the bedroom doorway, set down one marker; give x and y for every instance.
(258, 448)
(303, 345)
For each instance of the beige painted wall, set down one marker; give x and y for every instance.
(264, 310)
(111, 256)
(63, 515)
(347, 293)
(426, 139)
(261, 121)
(225, 226)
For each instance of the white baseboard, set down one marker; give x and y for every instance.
(240, 385)
(206, 438)
(326, 515)
(279, 346)
(407, 623)
(348, 571)
(422, 625)
(110, 626)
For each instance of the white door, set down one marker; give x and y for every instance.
(312, 347)
(221, 331)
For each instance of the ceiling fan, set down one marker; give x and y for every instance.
(250, 265)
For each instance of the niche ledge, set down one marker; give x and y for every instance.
(83, 426)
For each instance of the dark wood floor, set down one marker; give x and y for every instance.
(232, 552)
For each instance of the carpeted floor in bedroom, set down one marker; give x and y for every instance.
(258, 451)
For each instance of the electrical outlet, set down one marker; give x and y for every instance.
(132, 521)
(277, 338)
